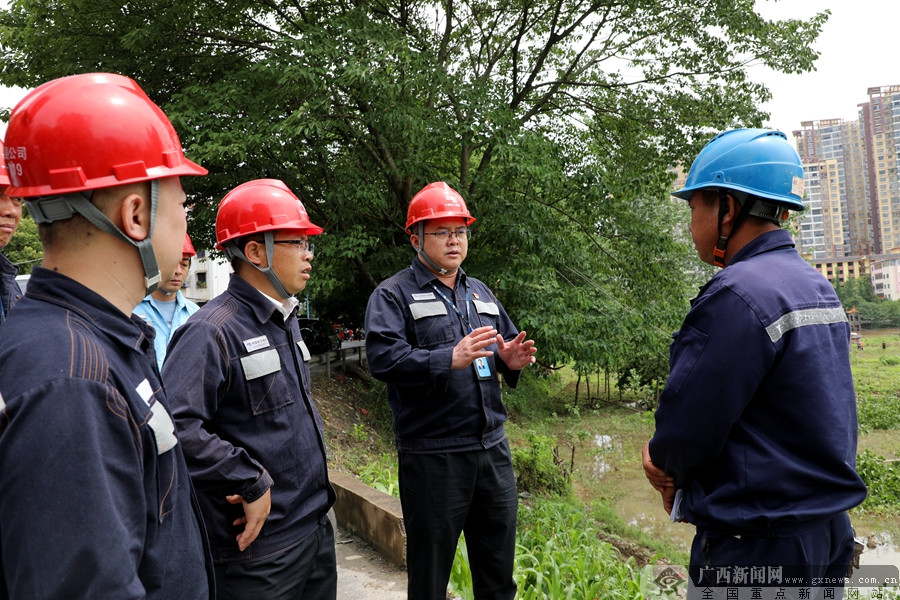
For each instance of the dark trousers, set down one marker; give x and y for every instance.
(308, 571)
(824, 553)
(471, 492)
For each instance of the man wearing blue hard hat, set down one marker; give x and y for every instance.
(755, 441)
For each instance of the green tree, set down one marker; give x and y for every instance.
(556, 119)
(24, 249)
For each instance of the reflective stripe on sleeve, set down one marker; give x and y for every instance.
(799, 318)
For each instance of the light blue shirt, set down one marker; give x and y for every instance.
(149, 310)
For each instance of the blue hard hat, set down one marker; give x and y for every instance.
(760, 162)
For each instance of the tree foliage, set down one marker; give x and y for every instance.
(558, 121)
(24, 248)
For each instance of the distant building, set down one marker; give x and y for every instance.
(825, 225)
(880, 117)
(207, 278)
(853, 188)
(886, 276)
(842, 268)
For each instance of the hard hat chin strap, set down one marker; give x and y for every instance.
(48, 209)
(421, 252)
(750, 206)
(746, 207)
(232, 251)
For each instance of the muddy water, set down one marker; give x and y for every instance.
(610, 467)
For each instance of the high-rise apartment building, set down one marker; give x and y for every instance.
(824, 224)
(881, 118)
(853, 189)
(859, 231)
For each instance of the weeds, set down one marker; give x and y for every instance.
(560, 555)
(539, 468)
(882, 479)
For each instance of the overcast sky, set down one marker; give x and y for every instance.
(858, 50)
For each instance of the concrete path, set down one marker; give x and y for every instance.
(363, 574)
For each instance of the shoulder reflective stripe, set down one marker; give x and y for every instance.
(799, 318)
(427, 309)
(486, 308)
(2, 403)
(163, 428)
(145, 391)
(304, 351)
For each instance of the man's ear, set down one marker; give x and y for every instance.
(734, 207)
(134, 212)
(414, 240)
(256, 253)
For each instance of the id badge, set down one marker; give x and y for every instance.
(482, 368)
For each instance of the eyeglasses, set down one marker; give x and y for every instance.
(303, 246)
(461, 234)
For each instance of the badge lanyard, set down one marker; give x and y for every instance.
(482, 368)
(453, 306)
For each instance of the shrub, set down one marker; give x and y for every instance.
(538, 469)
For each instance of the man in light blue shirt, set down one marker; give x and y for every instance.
(166, 308)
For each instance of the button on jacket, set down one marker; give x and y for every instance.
(238, 378)
(410, 335)
(757, 422)
(95, 497)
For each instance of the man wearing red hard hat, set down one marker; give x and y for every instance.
(95, 495)
(166, 308)
(439, 339)
(237, 374)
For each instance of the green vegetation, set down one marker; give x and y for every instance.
(579, 462)
(560, 555)
(538, 467)
(877, 380)
(567, 547)
(24, 249)
(873, 312)
(559, 123)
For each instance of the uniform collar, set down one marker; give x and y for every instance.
(264, 307)
(49, 286)
(764, 242)
(424, 275)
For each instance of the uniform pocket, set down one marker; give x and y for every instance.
(267, 386)
(431, 324)
(686, 349)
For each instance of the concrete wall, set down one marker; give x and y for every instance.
(374, 516)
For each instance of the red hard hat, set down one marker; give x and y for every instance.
(4, 172)
(437, 201)
(258, 206)
(188, 247)
(90, 131)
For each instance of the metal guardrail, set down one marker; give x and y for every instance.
(341, 354)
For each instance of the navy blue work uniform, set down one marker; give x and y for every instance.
(757, 422)
(9, 288)
(237, 374)
(455, 468)
(95, 496)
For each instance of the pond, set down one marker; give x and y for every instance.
(608, 463)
